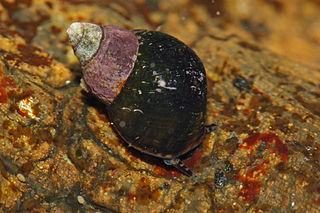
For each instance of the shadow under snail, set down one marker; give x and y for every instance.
(153, 85)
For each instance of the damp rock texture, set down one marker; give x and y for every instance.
(59, 153)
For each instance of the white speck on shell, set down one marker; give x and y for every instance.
(161, 83)
(122, 124)
(138, 110)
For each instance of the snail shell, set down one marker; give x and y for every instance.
(153, 85)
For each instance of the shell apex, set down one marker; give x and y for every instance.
(83, 37)
(107, 55)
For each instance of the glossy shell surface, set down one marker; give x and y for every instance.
(161, 108)
(153, 85)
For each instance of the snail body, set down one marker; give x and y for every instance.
(153, 85)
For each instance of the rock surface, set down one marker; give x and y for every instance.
(58, 151)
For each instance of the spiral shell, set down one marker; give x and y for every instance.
(153, 85)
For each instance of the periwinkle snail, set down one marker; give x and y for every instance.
(153, 85)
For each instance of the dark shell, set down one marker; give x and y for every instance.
(154, 87)
(161, 108)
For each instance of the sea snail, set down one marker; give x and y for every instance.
(153, 85)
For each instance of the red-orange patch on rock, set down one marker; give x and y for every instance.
(4, 83)
(279, 147)
(252, 179)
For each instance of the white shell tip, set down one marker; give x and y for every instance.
(85, 39)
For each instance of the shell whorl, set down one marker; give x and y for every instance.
(83, 37)
(107, 55)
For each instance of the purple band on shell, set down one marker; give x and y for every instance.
(110, 67)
